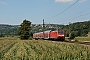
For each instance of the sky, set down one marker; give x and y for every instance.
(13, 12)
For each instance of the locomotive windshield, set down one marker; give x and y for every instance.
(60, 32)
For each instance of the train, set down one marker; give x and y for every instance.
(58, 35)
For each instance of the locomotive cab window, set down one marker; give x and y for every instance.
(60, 32)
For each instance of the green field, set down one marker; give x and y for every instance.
(80, 39)
(42, 50)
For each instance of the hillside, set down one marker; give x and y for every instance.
(39, 27)
(12, 29)
(8, 29)
(78, 28)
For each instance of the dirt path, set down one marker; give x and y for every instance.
(73, 42)
(82, 43)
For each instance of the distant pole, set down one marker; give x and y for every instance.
(69, 30)
(43, 28)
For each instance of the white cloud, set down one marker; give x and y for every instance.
(69, 0)
(2, 2)
(82, 0)
(63, 0)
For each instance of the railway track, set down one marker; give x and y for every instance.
(74, 42)
(85, 43)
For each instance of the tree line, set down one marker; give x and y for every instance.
(25, 30)
(8, 30)
(77, 29)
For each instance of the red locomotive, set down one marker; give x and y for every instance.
(54, 35)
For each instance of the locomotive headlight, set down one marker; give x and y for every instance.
(60, 35)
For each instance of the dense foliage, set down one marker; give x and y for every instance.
(24, 29)
(78, 28)
(8, 30)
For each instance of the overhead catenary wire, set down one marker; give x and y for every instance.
(88, 18)
(75, 14)
(80, 16)
(63, 10)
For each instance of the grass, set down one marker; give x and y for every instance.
(83, 38)
(80, 39)
(9, 38)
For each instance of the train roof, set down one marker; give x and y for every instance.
(47, 31)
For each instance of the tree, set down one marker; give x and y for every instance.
(24, 30)
(1, 35)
